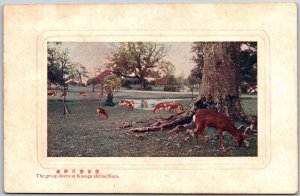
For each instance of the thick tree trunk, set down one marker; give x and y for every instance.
(220, 83)
(110, 97)
(143, 85)
(80, 80)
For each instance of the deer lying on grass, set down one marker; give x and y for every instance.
(82, 93)
(168, 106)
(101, 112)
(129, 104)
(52, 93)
(209, 118)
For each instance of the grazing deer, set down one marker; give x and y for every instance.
(144, 103)
(168, 106)
(175, 105)
(129, 104)
(64, 94)
(82, 93)
(52, 93)
(101, 112)
(210, 118)
(99, 95)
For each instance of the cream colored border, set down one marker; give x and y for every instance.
(158, 163)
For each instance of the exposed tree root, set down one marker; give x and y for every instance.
(178, 121)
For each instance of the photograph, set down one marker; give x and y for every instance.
(152, 99)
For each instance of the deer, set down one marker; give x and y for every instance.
(162, 106)
(52, 93)
(82, 93)
(209, 118)
(99, 95)
(124, 102)
(178, 106)
(144, 103)
(101, 112)
(168, 106)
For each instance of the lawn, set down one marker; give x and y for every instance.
(83, 134)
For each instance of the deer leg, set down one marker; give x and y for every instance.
(196, 133)
(221, 140)
(205, 138)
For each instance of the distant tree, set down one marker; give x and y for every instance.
(136, 60)
(60, 69)
(196, 74)
(55, 75)
(111, 85)
(166, 68)
(248, 64)
(171, 84)
(80, 72)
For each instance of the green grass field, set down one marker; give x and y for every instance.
(83, 134)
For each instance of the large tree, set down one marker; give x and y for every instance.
(59, 60)
(219, 89)
(136, 60)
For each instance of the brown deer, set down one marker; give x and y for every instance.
(168, 106)
(129, 104)
(82, 93)
(52, 93)
(210, 118)
(101, 112)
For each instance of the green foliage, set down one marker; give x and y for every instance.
(248, 66)
(166, 68)
(196, 73)
(91, 81)
(148, 88)
(126, 83)
(112, 84)
(171, 80)
(136, 59)
(61, 70)
(171, 88)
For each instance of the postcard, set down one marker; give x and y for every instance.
(150, 98)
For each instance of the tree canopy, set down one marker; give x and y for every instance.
(136, 59)
(61, 70)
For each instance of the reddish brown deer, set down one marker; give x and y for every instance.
(52, 93)
(209, 118)
(101, 112)
(99, 95)
(178, 106)
(129, 104)
(168, 106)
(82, 93)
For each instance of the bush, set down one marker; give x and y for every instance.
(148, 88)
(126, 83)
(171, 88)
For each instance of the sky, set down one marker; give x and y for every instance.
(93, 55)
